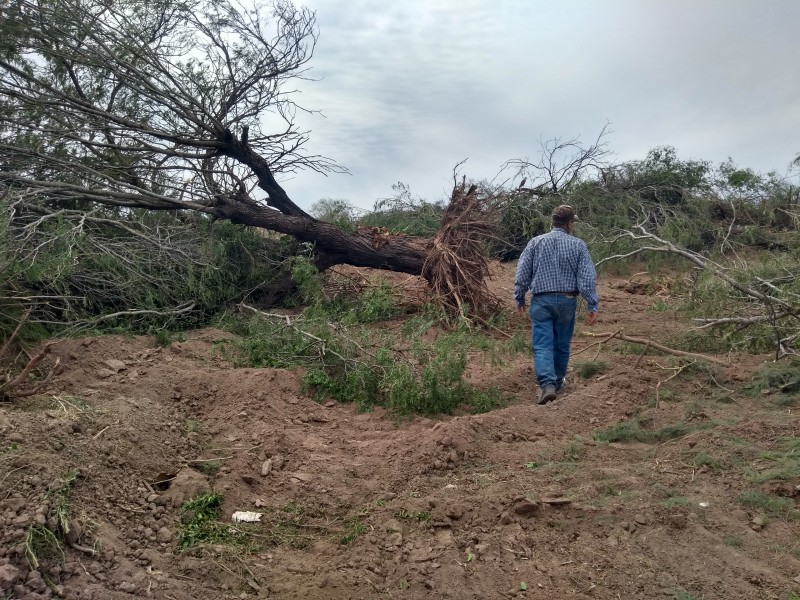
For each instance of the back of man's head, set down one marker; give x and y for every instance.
(563, 215)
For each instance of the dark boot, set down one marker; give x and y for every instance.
(548, 394)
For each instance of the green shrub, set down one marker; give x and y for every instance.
(176, 272)
(431, 383)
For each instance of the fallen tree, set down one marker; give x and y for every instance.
(177, 106)
(169, 106)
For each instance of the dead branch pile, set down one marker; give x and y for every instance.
(457, 267)
(770, 302)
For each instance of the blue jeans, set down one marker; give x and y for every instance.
(553, 323)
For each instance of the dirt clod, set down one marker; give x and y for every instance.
(526, 508)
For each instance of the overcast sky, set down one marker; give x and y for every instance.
(410, 88)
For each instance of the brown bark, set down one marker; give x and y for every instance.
(365, 248)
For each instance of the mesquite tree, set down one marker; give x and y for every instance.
(169, 105)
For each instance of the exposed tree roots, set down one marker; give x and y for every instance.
(457, 267)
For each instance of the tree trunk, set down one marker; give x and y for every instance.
(368, 247)
(365, 248)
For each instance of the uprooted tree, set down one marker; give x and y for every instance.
(174, 105)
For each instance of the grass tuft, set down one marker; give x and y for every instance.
(782, 464)
(590, 368)
(632, 431)
(200, 524)
(773, 506)
(776, 378)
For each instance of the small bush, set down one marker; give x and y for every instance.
(430, 381)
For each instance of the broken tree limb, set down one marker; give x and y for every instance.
(626, 338)
(11, 387)
(644, 351)
(700, 261)
(742, 321)
(780, 308)
(14, 334)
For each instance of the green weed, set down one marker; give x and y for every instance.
(377, 304)
(675, 501)
(164, 337)
(42, 544)
(590, 368)
(200, 524)
(706, 460)
(194, 426)
(682, 594)
(355, 528)
(659, 306)
(418, 516)
(59, 508)
(776, 378)
(415, 326)
(519, 342)
(611, 490)
(287, 526)
(431, 382)
(793, 551)
(573, 452)
(209, 467)
(773, 506)
(733, 541)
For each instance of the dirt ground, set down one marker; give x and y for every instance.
(518, 502)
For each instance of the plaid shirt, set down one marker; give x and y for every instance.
(556, 262)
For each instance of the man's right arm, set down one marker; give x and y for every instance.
(587, 284)
(522, 280)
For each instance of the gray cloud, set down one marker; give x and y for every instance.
(411, 88)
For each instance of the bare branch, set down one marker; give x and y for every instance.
(778, 303)
(651, 344)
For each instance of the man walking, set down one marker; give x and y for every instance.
(555, 267)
